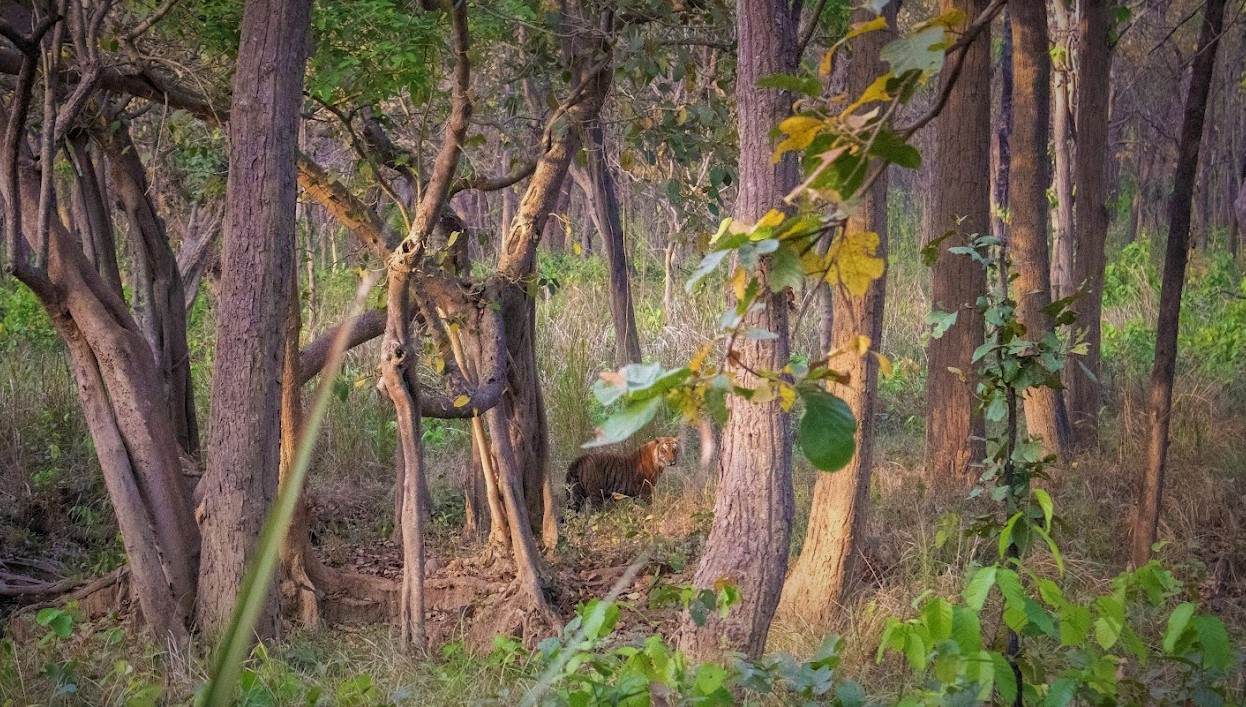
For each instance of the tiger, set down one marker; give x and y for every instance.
(598, 476)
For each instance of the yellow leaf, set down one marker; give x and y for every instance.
(361, 382)
(787, 397)
(854, 263)
(876, 91)
(461, 401)
(861, 343)
(800, 131)
(773, 218)
(439, 364)
(577, 248)
(824, 66)
(884, 364)
(699, 359)
(763, 393)
(861, 28)
(739, 282)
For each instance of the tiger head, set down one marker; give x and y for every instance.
(665, 451)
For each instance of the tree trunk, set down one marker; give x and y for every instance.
(1062, 128)
(599, 185)
(1000, 188)
(837, 515)
(954, 428)
(748, 544)
(1081, 376)
(1045, 413)
(258, 254)
(92, 211)
(1239, 211)
(1151, 490)
(163, 314)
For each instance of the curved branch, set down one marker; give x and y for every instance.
(495, 183)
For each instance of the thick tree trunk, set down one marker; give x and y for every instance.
(603, 195)
(1081, 377)
(954, 428)
(258, 254)
(1062, 137)
(837, 515)
(163, 312)
(1159, 405)
(748, 544)
(1045, 413)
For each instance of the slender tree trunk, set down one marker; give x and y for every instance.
(1239, 212)
(1001, 187)
(163, 311)
(1091, 213)
(837, 515)
(1062, 128)
(259, 247)
(93, 212)
(748, 544)
(954, 428)
(604, 200)
(1045, 413)
(1151, 489)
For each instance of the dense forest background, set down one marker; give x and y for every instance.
(960, 382)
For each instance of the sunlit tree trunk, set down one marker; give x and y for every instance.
(748, 543)
(1045, 414)
(258, 254)
(1091, 214)
(1176, 255)
(961, 202)
(837, 514)
(1062, 139)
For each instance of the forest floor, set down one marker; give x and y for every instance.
(52, 507)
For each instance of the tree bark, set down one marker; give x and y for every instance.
(831, 551)
(1081, 377)
(604, 198)
(748, 544)
(954, 427)
(163, 312)
(1176, 255)
(1045, 414)
(1062, 136)
(92, 211)
(1001, 186)
(258, 254)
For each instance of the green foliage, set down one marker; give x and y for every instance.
(22, 319)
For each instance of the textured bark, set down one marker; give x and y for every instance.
(1239, 211)
(162, 314)
(298, 589)
(1045, 414)
(1176, 255)
(832, 546)
(202, 227)
(92, 212)
(961, 205)
(748, 543)
(1062, 142)
(603, 195)
(258, 254)
(127, 417)
(1081, 377)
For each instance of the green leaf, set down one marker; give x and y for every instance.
(806, 85)
(922, 52)
(1217, 650)
(626, 422)
(1044, 502)
(1060, 693)
(979, 587)
(785, 269)
(707, 265)
(937, 615)
(940, 322)
(827, 430)
(1075, 625)
(1177, 623)
(894, 149)
(1005, 680)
